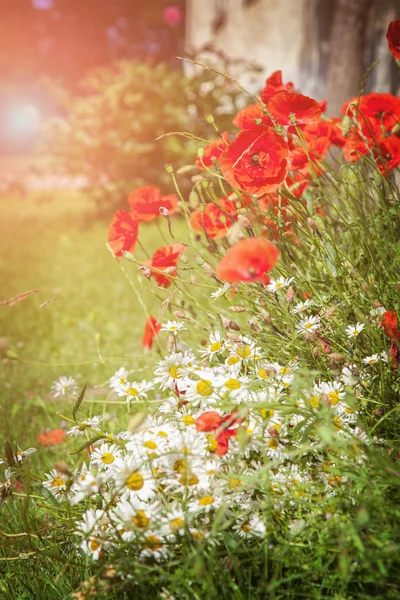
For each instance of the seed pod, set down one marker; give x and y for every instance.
(164, 212)
(169, 168)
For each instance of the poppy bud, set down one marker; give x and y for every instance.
(315, 352)
(200, 152)
(199, 261)
(330, 312)
(346, 125)
(208, 269)
(179, 314)
(290, 295)
(312, 224)
(145, 271)
(336, 358)
(237, 309)
(253, 325)
(210, 119)
(171, 342)
(205, 183)
(169, 168)
(233, 338)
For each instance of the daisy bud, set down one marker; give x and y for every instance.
(237, 309)
(171, 342)
(145, 271)
(346, 125)
(290, 295)
(169, 168)
(164, 212)
(312, 224)
(210, 119)
(179, 314)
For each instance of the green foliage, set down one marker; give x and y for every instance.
(109, 135)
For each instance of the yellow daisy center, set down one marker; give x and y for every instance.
(233, 384)
(204, 388)
(215, 347)
(140, 520)
(135, 482)
(206, 500)
(107, 458)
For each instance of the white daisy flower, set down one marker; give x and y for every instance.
(354, 330)
(215, 346)
(81, 429)
(220, 291)
(173, 327)
(278, 284)
(308, 325)
(133, 391)
(371, 360)
(104, 456)
(301, 307)
(119, 379)
(64, 386)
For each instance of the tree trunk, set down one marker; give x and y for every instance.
(346, 52)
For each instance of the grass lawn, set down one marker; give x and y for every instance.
(94, 325)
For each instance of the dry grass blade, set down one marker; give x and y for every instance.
(18, 298)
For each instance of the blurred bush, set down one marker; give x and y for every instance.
(107, 137)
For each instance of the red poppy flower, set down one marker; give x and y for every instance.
(255, 161)
(163, 263)
(251, 117)
(208, 421)
(212, 152)
(390, 154)
(151, 329)
(248, 260)
(274, 85)
(389, 324)
(289, 108)
(393, 38)
(225, 428)
(146, 201)
(123, 232)
(302, 161)
(51, 438)
(215, 220)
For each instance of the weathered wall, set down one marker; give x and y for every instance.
(292, 35)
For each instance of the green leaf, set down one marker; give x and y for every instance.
(79, 401)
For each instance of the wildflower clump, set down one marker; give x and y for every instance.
(262, 447)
